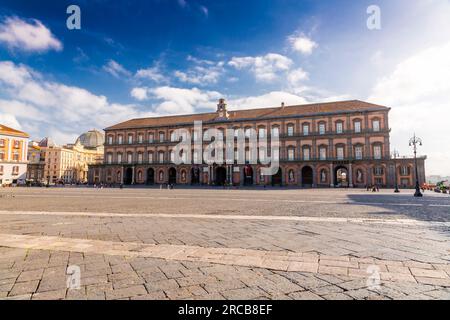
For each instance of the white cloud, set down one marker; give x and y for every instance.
(204, 10)
(183, 101)
(204, 72)
(418, 90)
(271, 99)
(139, 94)
(116, 69)
(34, 36)
(296, 77)
(264, 68)
(302, 44)
(153, 74)
(44, 107)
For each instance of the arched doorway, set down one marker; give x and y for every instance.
(195, 175)
(307, 177)
(150, 176)
(277, 178)
(221, 176)
(128, 178)
(341, 177)
(172, 176)
(248, 176)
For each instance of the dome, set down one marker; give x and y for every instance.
(91, 139)
(47, 143)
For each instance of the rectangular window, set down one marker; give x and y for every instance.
(376, 125)
(306, 154)
(141, 138)
(323, 154)
(161, 137)
(339, 127)
(150, 157)
(2, 142)
(305, 129)
(340, 153)
(120, 140)
(130, 158)
(130, 139)
(110, 140)
(404, 171)
(109, 158)
(140, 158)
(358, 153)
(322, 128)
(291, 155)
(262, 132)
(357, 126)
(275, 132)
(377, 152)
(151, 138)
(161, 157)
(290, 130)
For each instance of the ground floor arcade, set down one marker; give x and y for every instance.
(320, 174)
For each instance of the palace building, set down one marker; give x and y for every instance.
(335, 144)
(13, 156)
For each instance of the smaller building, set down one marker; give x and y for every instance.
(36, 164)
(69, 164)
(13, 156)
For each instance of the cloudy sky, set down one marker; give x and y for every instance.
(143, 58)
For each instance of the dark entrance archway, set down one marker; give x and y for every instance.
(172, 176)
(221, 176)
(128, 178)
(277, 178)
(248, 176)
(341, 177)
(195, 175)
(307, 177)
(150, 176)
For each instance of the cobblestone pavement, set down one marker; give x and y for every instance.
(224, 244)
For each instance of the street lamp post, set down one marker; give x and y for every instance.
(414, 142)
(396, 155)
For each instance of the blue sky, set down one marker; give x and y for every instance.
(145, 58)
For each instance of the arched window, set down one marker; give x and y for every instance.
(323, 151)
(150, 157)
(340, 151)
(306, 153)
(322, 127)
(339, 126)
(357, 125)
(275, 131)
(290, 130)
(377, 151)
(291, 153)
(161, 157)
(130, 157)
(119, 158)
(359, 152)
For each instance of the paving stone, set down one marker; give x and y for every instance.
(21, 288)
(244, 293)
(305, 295)
(129, 292)
(161, 285)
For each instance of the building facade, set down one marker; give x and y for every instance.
(13, 156)
(68, 164)
(337, 144)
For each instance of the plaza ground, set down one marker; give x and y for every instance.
(224, 244)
